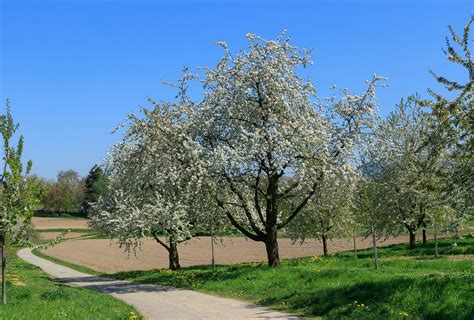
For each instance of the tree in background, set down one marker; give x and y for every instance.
(411, 166)
(41, 188)
(64, 195)
(258, 125)
(95, 186)
(328, 214)
(16, 193)
(455, 123)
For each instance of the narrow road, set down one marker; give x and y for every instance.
(157, 302)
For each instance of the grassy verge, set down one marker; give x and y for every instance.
(446, 247)
(85, 233)
(65, 230)
(342, 287)
(33, 295)
(76, 267)
(65, 215)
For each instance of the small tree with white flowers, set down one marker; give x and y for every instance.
(154, 181)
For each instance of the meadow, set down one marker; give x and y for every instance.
(33, 295)
(407, 285)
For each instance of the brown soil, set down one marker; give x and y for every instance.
(59, 223)
(106, 256)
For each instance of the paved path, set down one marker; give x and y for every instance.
(157, 302)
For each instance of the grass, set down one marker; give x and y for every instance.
(66, 215)
(76, 267)
(65, 230)
(464, 246)
(85, 233)
(33, 295)
(406, 286)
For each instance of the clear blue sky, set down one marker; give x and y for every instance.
(74, 69)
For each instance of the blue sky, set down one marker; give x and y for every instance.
(74, 69)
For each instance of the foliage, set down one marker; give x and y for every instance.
(328, 214)
(65, 195)
(95, 186)
(455, 121)
(404, 170)
(16, 191)
(154, 182)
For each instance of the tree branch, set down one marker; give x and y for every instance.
(159, 241)
(256, 199)
(244, 206)
(234, 222)
(298, 208)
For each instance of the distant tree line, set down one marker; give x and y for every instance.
(69, 192)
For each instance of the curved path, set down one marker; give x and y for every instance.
(157, 302)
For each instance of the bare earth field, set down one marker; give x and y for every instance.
(59, 223)
(105, 255)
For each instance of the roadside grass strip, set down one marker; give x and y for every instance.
(33, 295)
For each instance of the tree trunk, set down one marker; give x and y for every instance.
(355, 245)
(325, 245)
(271, 245)
(173, 256)
(374, 247)
(213, 259)
(412, 240)
(4, 263)
(436, 239)
(424, 235)
(271, 230)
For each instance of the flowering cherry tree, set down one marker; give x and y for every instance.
(153, 182)
(328, 213)
(411, 166)
(454, 117)
(267, 140)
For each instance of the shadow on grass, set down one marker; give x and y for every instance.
(185, 277)
(55, 214)
(424, 297)
(445, 247)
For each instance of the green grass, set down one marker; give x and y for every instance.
(64, 230)
(85, 233)
(342, 287)
(66, 215)
(464, 246)
(76, 267)
(33, 295)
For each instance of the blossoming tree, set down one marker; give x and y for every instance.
(329, 213)
(264, 141)
(454, 115)
(153, 182)
(411, 166)
(16, 192)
